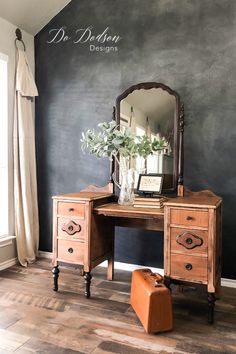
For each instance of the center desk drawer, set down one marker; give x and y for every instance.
(71, 228)
(71, 209)
(190, 268)
(189, 217)
(71, 251)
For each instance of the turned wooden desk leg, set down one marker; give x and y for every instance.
(110, 268)
(211, 305)
(87, 280)
(55, 272)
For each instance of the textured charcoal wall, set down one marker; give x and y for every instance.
(190, 46)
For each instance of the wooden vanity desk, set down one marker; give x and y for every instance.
(84, 225)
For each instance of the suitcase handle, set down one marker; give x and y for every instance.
(158, 279)
(158, 284)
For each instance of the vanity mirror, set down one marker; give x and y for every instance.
(154, 109)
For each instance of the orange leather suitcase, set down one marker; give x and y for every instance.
(151, 300)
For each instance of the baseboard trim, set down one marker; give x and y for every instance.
(230, 283)
(9, 263)
(132, 267)
(43, 254)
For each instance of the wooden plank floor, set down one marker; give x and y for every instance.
(34, 319)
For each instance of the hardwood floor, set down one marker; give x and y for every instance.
(35, 319)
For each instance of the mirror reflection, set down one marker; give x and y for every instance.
(151, 112)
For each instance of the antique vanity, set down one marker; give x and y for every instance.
(84, 222)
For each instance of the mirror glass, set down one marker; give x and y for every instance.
(153, 111)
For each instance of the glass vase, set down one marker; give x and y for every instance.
(127, 175)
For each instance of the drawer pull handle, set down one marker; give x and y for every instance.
(71, 227)
(71, 209)
(189, 266)
(189, 241)
(189, 218)
(70, 250)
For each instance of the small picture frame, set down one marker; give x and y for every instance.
(149, 184)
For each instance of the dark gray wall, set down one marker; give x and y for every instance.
(187, 44)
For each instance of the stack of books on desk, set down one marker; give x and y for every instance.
(145, 202)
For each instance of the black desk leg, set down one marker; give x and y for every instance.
(55, 272)
(211, 305)
(87, 280)
(167, 282)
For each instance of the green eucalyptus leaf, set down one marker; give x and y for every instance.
(111, 141)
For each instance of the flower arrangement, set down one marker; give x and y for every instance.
(111, 141)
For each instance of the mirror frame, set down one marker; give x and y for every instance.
(178, 133)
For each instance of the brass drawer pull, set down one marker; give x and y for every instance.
(189, 218)
(71, 209)
(189, 241)
(188, 266)
(70, 250)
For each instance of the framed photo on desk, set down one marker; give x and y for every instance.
(150, 184)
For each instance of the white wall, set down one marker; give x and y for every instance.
(7, 47)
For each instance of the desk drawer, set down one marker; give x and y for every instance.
(189, 217)
(71, 228)
(190, 268)
(71, 209)
(71, 251)
(188, 241)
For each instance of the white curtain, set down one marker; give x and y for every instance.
(25, 185)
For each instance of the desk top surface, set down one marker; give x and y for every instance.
(86, 196)
(202, 199)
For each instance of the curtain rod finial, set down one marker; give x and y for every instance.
(18, 34)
